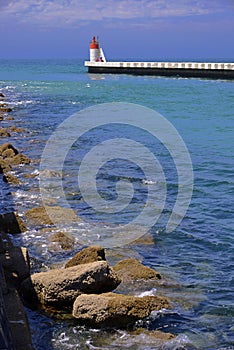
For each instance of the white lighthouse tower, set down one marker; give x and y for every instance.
(96, 53)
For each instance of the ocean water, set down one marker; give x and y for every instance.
(196, 258)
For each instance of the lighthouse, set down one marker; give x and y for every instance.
(95, 52)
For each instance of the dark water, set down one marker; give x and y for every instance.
(197, 257)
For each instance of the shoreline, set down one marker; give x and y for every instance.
(15, 332)
(15, 267)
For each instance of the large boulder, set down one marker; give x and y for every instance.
(60, 287)
(50, 215)
(87, 255)
(132, 270)
(115, 310)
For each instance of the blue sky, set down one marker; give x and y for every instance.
(129, 29)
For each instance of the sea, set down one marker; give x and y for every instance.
(115, 127)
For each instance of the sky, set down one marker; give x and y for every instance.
(127, 29)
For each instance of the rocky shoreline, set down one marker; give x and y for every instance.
(87, 289)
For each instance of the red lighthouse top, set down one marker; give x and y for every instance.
(94, 44)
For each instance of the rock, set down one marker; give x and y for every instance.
(146, 239)
(6, 147)
(87, 255)
(4, 132)
(154, 335)
(115, 310)
(9, 118)
(4, 166)
(40, 216)
(30, 176)
(60, 287)
(64, 240)
(5, 109)
(132, 269)
(2, 96)
(16, 129)
(9, 152)
(12, 223)
(19, 159)
(11, 179)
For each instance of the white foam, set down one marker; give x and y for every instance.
(148, 182)
(147, 293)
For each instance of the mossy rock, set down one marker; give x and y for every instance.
(115, 310)
(132, 269)
(87, 255)
(51, 215)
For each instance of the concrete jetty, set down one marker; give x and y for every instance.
(213, 70)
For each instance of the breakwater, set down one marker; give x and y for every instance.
(178, 69)
(14, 263)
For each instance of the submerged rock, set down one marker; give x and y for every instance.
(16, 129)
(115, 310)
(60, 287)
(87, 255)
(5, 109)
(154, 334)
(4, 132)
(12, 223)
(63, 239)
(11, 179)
(132, 269)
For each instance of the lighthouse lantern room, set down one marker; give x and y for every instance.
(96, 53)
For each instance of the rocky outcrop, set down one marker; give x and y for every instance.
(87, 255)
(12, 156)
(12, 223)
(115, 310)
(60, 287)
(132, 270)
(50, 215)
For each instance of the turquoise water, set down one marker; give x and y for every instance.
(197, 257)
